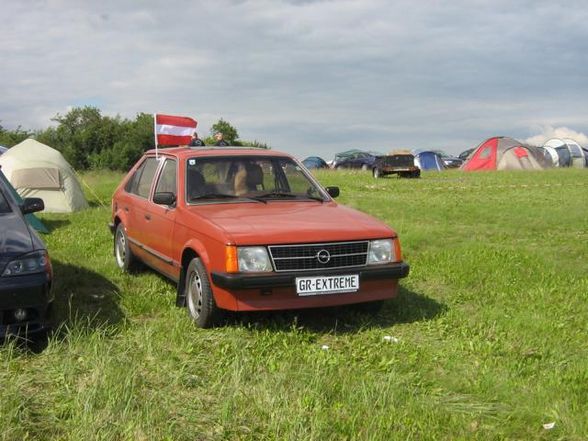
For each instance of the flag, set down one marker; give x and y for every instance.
(174, 130)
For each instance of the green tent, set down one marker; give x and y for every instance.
(33, 220)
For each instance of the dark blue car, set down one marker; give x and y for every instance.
(355, 159)
(314, 162)
(26, 274)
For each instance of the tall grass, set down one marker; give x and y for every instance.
(487, 339)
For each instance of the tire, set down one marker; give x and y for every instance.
(365, 167)
(199, 298)
(376, 173)
(123, 255)
(416, 174)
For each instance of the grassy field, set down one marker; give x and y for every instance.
(487, 340)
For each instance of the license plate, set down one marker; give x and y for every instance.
(312, 286)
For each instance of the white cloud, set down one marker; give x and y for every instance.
(549, 132)
(311, 77)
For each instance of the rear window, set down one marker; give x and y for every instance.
(140, 183)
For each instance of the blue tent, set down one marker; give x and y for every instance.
(428, 160)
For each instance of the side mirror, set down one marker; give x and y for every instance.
(32, 205)
(164, 198)
(333, 191)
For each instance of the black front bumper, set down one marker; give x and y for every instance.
(274, 280)
(31, 293)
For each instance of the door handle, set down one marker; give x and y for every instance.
(148, 216)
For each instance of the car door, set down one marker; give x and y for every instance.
(160, 221)
(139, 191)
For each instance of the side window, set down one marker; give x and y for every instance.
(167, 178)
(140, 183)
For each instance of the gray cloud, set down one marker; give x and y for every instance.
(309, 77)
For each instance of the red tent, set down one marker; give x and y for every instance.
(503, 153)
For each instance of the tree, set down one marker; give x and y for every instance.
(229, 132)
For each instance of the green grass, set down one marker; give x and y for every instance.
(491, 330)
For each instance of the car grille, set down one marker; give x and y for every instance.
(316, 256)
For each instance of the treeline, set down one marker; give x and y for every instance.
(89, 140)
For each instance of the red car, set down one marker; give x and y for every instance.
(245, 229)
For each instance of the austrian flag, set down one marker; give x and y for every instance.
(174, 130)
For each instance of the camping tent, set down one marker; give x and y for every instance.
(33, 220)
(570, 153)
(503, 153)
(428, 160)
(37, 170)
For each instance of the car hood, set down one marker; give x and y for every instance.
(15, 237)
(291, 222)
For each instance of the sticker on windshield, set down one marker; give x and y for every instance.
(191, 161)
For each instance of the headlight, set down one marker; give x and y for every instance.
(36, 262)
(253, 259)
(381, 251)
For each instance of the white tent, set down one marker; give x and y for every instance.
(569, 152)
(36, 170)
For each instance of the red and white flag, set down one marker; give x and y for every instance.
(174, 130)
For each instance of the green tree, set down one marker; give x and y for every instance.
(229, 132)
(9, 138)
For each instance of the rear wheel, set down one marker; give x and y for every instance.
(199, 298)
(123, 254)
(376, 173)
(365, 167)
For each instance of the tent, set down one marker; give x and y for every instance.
(428, 160)
(503, 153)
(33, 220)
(37, 170)
(569, 152)
(3, 149)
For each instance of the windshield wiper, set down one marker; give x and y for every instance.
(274, 194)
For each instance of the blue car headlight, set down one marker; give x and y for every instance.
(36, 262)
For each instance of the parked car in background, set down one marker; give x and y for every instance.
(449, 161)
(399, 162)
(314, 162)
(357, 159)
(466, 154)
(26, 274)
(245, 229)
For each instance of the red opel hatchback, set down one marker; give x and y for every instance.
(249, 229)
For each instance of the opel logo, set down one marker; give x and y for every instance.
(323, 256)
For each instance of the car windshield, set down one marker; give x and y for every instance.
(254, 178)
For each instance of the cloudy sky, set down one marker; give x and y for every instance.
(308, 77)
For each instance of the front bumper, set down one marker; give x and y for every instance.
(31, 293)
(236, 281)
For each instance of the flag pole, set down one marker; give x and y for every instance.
(155, 132)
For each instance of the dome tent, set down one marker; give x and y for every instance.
(37, 170)
(428, 160)
(503, 153)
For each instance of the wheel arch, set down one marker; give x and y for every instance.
(191, 250)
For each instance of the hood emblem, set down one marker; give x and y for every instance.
(323, 256)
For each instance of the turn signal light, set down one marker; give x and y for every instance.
(231, 260)
(397, 250)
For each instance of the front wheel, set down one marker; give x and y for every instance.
(123, 254)
(199, 298)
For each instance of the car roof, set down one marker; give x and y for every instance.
(190, 152)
